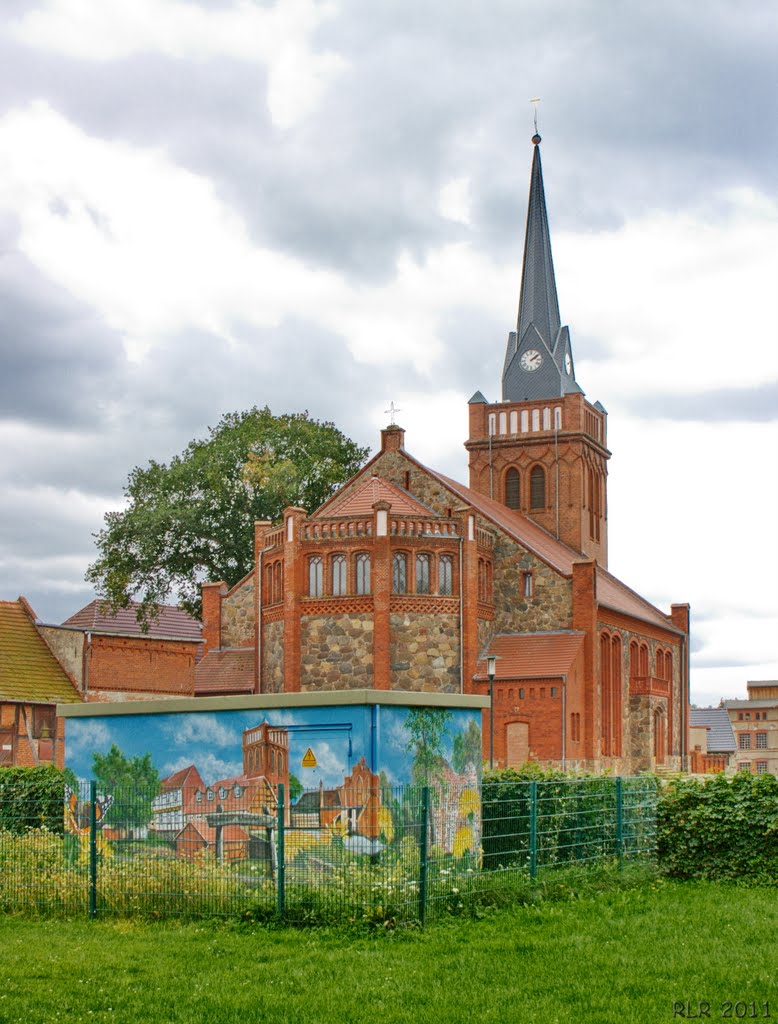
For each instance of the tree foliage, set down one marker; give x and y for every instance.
(192, 520)
(132, 781)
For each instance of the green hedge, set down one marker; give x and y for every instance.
(32, 798)
(722, 828)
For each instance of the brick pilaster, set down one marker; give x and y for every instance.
(585, 619)
(294, 583)
(261, 527)
(469, 608)
(382, 593)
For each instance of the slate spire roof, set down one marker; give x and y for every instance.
(538, 328)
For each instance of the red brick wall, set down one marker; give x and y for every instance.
(140, 664)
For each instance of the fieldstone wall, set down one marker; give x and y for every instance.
(336, 652)
(273, 657)
(551, 604)
(424, 652)
(238, 616)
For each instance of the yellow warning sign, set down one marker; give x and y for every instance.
(309, 760)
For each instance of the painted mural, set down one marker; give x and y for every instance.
(351, 777)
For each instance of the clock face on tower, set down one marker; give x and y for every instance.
(531, 360)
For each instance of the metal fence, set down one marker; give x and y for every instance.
(384, 854)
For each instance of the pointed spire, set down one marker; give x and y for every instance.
(538, 303)
(538, 358)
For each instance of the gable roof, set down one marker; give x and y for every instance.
(721, 738)
(360, 501)
(172, 622)
(184, 778)
(230, 670)
(531, 655)
(28, 669)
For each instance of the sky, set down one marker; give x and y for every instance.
(206, 206)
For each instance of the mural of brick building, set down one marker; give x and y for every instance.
(406, 579)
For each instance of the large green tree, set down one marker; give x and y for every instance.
(192, 520)
(133, 782)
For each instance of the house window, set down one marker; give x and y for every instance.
(744, 766)
(761, 741)
(338, 575)
(199, 796)
(761, 767)
(223, 791)
(44, 719)
(445, 574)
(537, 488)
(553, 691)
(363, 573)
(422, 574)
(745, 741)
(211, 795)
(527, 584)
(237, 791)
(740, 716)
(521, 693)
(399, 574)
(314, 576)
(512, 492)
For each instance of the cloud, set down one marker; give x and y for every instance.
(85, 736)
(202, 728)
(279, 36)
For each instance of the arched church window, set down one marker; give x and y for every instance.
(512, 488)
(338, 565)
(278, 592)
(363, 573)
(422, 574)
(445, 574)
(399, 573)
(314, 576)
(537, 488)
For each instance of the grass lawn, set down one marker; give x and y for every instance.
(619, 957)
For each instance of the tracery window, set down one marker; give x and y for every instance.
(399, 573)
(363, 573)
(422, 574)
(338, 566)
(314, 576)
(445, 574)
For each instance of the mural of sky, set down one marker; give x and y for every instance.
(212, 741)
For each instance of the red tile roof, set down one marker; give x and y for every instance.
(532, 655)
(360, 501)
(186, 777)
(226, 671)
(171, 622)
(28, 670)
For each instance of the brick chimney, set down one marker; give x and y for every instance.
(392, 439)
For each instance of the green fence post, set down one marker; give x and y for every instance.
(533, 829)
(423, 852)
(619, 820)
(93, 848)
(280, 857)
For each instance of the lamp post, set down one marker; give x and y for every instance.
(490, 666)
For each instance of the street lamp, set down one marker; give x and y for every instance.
(491, 661)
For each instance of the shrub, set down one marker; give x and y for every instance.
(720, 828)
(32, 798)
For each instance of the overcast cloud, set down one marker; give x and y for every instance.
(206, 206)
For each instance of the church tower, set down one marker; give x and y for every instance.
(542, 450)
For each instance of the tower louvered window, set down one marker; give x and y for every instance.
(512, 488)
(537, 488)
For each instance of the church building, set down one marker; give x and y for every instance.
(407, 580)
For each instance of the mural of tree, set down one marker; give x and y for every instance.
(467, 749)
(132, 781)
(428, 729)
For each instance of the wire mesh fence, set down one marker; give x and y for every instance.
(403, 853)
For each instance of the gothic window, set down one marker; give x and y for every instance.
(363, 573)
(527, 584)
(537, 488)
(512, 489)
(422, 574)
(338, 575)
(268, 593)
(278, 592)
(399, 574)
(314, 576)
(445, 574)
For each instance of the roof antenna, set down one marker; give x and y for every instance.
(536, 137)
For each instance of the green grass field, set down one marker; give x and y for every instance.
(614, 958)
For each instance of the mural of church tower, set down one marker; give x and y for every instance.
(542, 450)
